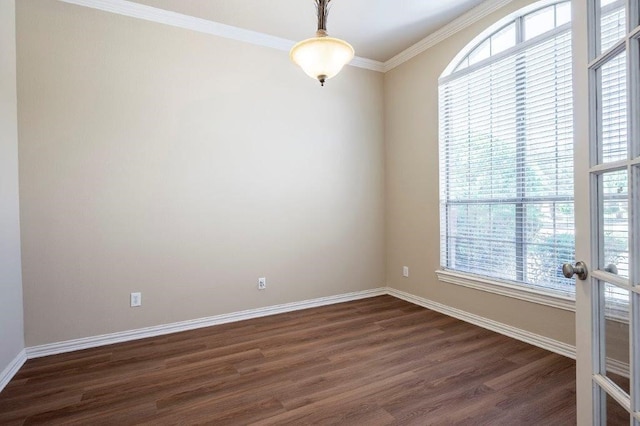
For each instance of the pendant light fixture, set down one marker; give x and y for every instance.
(322, 57)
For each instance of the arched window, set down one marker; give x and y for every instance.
(506, 153)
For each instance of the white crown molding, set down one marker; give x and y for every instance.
(141, 333)
(161, 16)
(368, 64)
(458, 24)
(11, 369)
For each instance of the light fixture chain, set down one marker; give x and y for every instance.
(322, 8)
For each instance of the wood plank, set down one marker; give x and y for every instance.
(372, 362)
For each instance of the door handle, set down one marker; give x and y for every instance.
(580, 269)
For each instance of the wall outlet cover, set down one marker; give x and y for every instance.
(136, 299)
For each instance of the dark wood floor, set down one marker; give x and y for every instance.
(373, 361)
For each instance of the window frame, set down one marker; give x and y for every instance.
(547, 297)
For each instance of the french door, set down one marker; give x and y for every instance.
(606, 38)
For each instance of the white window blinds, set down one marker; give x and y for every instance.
(506, 162)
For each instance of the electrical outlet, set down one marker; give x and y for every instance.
(405, 271)
(136, 299)
(262, 283)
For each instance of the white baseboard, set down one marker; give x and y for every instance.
(141, 333)
(516, 333)
(618, 367)
(561, 348)
(11, 369)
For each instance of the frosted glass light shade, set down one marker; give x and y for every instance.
(321, 57)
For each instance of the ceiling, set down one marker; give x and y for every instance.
(377, 29)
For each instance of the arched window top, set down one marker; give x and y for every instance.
(538, 20)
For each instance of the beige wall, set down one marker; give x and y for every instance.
(185, 166)
(11, 316)
(412, 217)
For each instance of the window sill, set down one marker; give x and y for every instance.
(504, 289)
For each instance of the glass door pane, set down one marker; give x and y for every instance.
(615, 335)
(612, 23)
(615, 414)
(612, 110)
(614, 231)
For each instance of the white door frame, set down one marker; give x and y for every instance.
(585, 356)
(591, 381)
